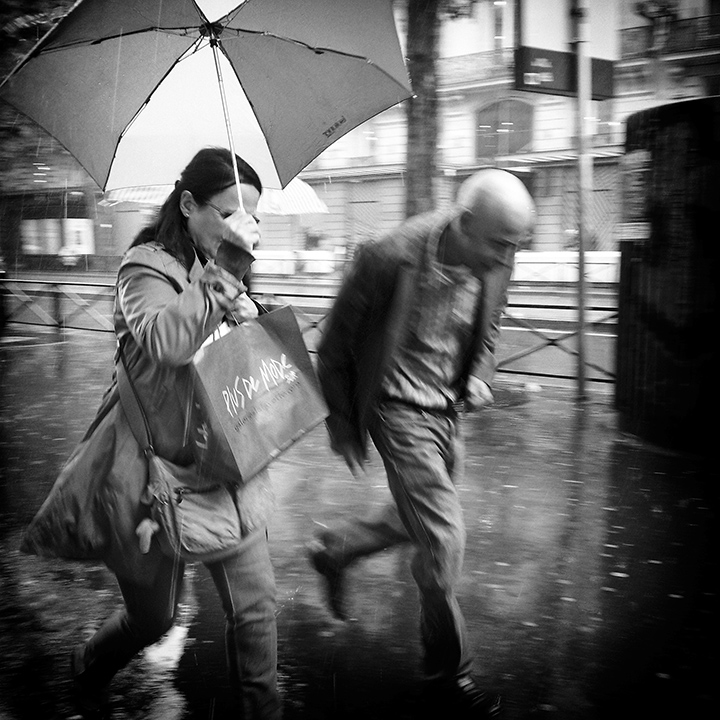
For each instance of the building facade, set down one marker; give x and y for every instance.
(666, 52)
(484, 120)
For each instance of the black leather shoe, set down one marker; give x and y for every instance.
(91, 701)
(333, 576)
(462, 698)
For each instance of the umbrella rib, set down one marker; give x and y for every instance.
(181, 32)
(143, 105)
(37, 48)
(194, 47)
(190, 32)
(314, 48)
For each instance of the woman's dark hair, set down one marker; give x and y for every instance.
(207, 174)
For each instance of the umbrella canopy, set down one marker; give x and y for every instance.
(133, 88)
(297, 198)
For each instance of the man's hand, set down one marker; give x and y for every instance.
(477, 394)
(352, 457)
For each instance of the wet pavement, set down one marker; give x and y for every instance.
(589, 583)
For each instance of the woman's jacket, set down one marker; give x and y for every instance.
(163, 313)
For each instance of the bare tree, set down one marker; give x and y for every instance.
(422, 54)
(423, 33)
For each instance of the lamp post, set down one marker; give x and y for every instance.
(584, 85)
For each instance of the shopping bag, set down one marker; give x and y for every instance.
(255, 394)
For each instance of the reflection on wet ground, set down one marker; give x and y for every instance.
(589, 586)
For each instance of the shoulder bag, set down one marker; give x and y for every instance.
(194, 520)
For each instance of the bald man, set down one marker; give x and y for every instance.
(409, 342)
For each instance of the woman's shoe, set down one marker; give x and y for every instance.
(91, 701)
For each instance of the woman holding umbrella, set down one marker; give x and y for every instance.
(178, 281)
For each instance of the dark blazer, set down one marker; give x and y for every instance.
(368, 321)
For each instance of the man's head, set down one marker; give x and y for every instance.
(498, 213)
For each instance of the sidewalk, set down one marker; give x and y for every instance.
(589, 582)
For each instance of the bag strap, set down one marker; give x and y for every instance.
(132, 406)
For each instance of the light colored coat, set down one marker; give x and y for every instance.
(163, 314)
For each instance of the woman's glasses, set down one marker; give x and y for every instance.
(224, 214)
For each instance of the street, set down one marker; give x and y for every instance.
(589, 584)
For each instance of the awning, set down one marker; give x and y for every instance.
(556, 158)
(298, 198)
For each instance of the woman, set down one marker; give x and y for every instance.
(181, 277)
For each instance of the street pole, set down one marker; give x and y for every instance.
(584, 85)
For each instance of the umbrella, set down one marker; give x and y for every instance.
(133, 88)
(296, 198)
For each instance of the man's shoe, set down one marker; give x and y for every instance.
(333, 575)
(91, 701)
(462, 698)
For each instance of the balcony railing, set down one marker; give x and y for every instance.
(476, 67)
(678, 36)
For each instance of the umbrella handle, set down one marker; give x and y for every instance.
(214, 42)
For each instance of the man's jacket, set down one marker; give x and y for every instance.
(369, 319)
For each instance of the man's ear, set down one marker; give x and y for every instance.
(464, 220)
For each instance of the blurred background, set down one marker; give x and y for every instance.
(622, 162)
(591, 586)
(477, 104)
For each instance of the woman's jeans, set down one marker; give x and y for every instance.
(246, 585)
(423, 457)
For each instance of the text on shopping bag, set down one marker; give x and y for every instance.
(272, 373)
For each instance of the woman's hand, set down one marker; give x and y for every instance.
(243, 308)
(241, 229)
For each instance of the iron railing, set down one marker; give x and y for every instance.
(540, 320)
(675, 37)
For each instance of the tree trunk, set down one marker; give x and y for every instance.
(422, 126)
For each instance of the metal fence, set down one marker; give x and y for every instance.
(539, 335)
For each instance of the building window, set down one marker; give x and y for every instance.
(503, 128)
(499, 24)
(53, 222)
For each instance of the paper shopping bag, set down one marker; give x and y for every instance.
(255, 394)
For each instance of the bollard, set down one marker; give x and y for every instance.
(57, 309)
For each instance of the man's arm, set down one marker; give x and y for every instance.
(337, 354)
(478, 388)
